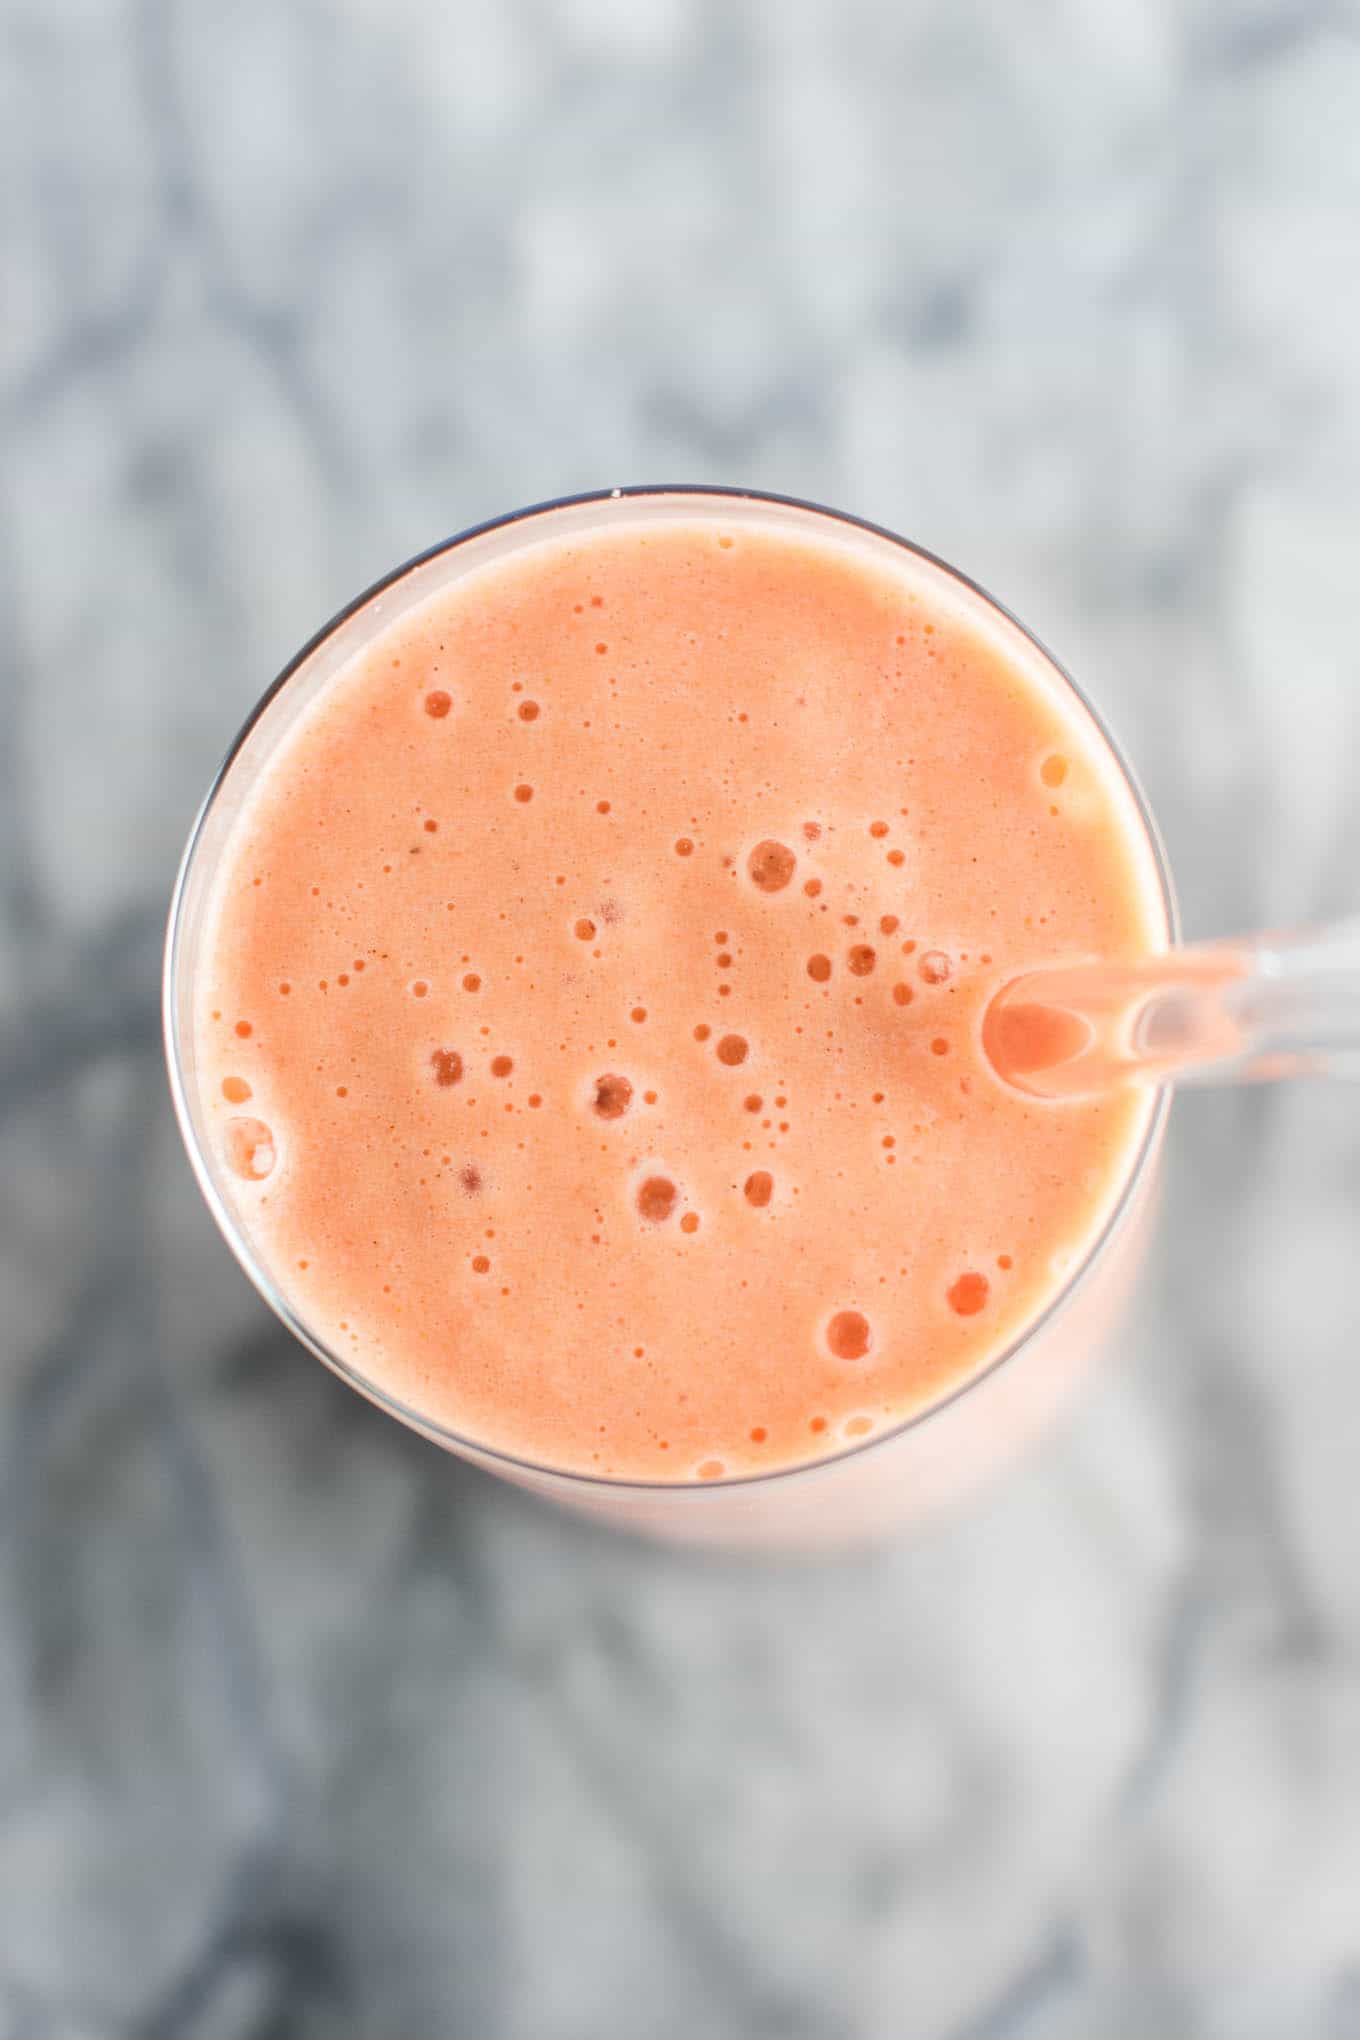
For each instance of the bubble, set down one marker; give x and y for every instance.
(819, 968)
(447, 1065)
(235, 1090)
(711, 1469)
(438, 703)
(859, 1427)
(968, 1293)
(244, 1029)
(528, 711)
(861, 959)
(250, 1149)
(758, 1188)
(849, 1335)
(613, 1096)
(501, 1065)
(656, 1199)
(770, 866)
(684, 847)
(690, 1222)
(935, 966)
(524, 793)
(584, 930)
(1053, 771)
(733, 1049)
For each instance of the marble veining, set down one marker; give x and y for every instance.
(306, 1730)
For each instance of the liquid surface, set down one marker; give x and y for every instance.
(590, 1021)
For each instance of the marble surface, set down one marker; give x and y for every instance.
(306, 1730)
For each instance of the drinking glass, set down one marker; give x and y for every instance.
(937, 1453)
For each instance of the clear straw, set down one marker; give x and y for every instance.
(1267, 1006)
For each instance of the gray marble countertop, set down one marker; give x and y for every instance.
(307, 1730)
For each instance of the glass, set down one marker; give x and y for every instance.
(935, 1454)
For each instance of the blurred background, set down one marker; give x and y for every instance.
(307, 1730)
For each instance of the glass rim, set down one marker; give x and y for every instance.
(517, 1465)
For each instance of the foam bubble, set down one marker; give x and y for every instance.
(968, 1293)
(849, 1335)
(613, 1096)
(250, 1149)
(935, 967)
(656, 1198)
(235, 1090)
(771, 865)
(1053, 771)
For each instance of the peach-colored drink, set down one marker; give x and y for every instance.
(589, 1009)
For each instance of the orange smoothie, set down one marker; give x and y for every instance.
(589, 1013)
